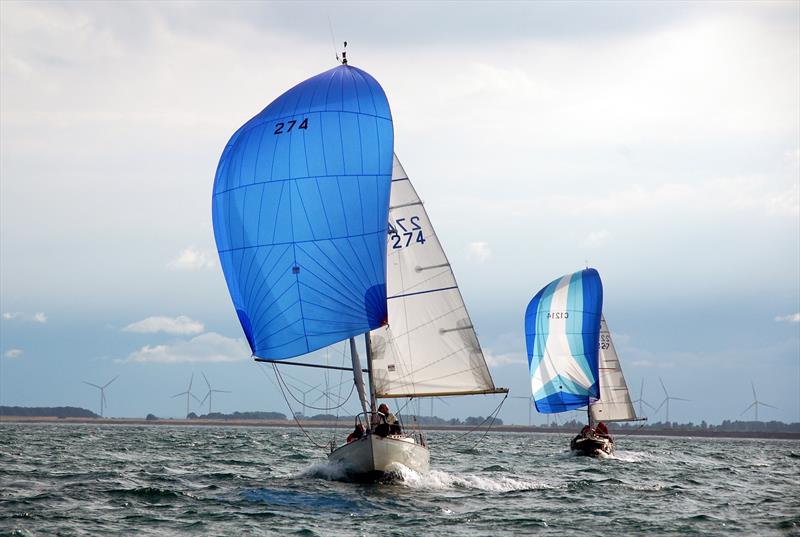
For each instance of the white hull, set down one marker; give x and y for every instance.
(374, 456)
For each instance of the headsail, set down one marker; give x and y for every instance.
(615, 401)
(429, 346)
(300, 206)
(562, 325)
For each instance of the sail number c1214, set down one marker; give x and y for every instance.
(405, 231)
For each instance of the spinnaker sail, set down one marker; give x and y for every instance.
(562, 325)
(429, 347)
(300, 206)
(615, 403)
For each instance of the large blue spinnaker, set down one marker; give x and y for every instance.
(562, 329)
(300, 210)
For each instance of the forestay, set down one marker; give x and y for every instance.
(429, 347)
(562, 325)
(300, 205)
(615, 401)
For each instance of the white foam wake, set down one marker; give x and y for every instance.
(332, 471)
(439, 480)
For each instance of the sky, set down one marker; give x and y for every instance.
(657, 142)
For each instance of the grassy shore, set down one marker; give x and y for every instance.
(347, 425)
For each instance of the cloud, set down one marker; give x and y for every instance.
(208, 347)
(192, 259)
(180, 325)
(478, 251)
(499, 360)
(13, 353)
(649, 363)
(596, 239)
(38, 317)
(792, 158)
(792, 318)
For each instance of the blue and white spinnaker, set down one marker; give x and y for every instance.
(562, 328)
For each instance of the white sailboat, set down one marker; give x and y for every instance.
(302, 198)
(429, 347)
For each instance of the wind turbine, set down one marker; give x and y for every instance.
(306, 392)
(756, 402)
(188, 393)
(641, 401)
(440, 399)
(208, 395)
(667, 399)
(530, 405)
(103, 400)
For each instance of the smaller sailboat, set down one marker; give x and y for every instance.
(572, 359)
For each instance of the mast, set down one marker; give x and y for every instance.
(358, 378)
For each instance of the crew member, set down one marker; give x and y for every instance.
(387, 422)
(357, 433)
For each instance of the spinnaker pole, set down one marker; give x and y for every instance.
(373, 400)
(358, 378)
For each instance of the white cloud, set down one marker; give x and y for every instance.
(650, 363)
(498, 360)
(596, 239)
(478, 251)
(792, 318)
(208, 347)
(38, 317)
(192, 259)
(13, 353)
(792, 158)
(180, 325)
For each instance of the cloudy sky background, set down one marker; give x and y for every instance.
(659, 142)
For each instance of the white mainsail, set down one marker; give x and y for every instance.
(429, 347)
(615, 400)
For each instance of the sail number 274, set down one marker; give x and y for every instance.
(287, 126)
(404, 231)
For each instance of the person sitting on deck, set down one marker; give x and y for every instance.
(586, 432)
(602, 431)
(357, 433)
(387, 422)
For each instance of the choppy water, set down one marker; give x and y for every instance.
(156, 480)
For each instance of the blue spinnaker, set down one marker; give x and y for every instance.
(562, 330)
(300, 210)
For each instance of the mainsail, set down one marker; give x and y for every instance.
(300, 206)
(429, 347)
(615, 402)
(562, 325)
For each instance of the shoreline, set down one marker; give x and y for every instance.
(767, 435)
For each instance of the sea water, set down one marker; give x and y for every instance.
(62, 479)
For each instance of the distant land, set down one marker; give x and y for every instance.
(47, 411)
(727, 429)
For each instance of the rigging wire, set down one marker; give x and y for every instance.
(489, 428)
(323, 409)
(275, 367)
(492, 416)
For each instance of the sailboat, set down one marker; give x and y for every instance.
(573, 361)
(308, 197)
